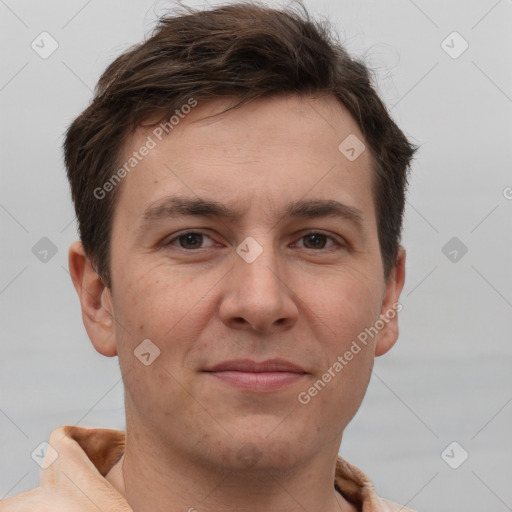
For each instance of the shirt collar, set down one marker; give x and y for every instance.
(90, 453)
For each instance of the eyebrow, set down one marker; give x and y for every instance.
(175, 206)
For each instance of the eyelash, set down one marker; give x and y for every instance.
(196, 232)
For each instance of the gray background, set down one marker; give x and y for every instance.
(447, 379)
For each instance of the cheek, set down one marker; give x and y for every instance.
(347, 307)
(347, 304)
(148, 309)
(152, 301)
(163, 305)
(350, 353)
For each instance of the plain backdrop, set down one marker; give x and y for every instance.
(448, 379)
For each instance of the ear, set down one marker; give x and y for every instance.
(391, 306)
(95, 300)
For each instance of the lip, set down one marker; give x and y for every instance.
(249, 366)
(264, 376)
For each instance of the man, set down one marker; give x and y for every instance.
(239, 188)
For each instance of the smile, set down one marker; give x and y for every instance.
(266, 376)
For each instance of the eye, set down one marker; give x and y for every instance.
(193, 240)
(316, 240)
(190, 240)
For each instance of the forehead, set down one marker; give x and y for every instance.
(277, 149)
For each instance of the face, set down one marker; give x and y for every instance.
(245, 248)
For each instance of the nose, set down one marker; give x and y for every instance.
(258, 295)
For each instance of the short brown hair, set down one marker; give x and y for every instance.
(245, 51)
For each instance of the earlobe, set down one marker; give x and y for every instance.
(391, 306)
(95, 301)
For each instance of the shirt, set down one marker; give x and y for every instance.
(75, 479)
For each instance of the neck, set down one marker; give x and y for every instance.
(153, 479)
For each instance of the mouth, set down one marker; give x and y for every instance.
(265, 376)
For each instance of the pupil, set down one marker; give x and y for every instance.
(312, 238)
(191, 239)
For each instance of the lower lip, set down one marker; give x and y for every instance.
(264, 381)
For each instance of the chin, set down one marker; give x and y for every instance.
(265, 449)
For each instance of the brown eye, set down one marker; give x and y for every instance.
(189, 241)
(316, 240)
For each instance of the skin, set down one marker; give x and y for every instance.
(193, 440)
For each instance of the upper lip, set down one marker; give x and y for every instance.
(249, 366)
